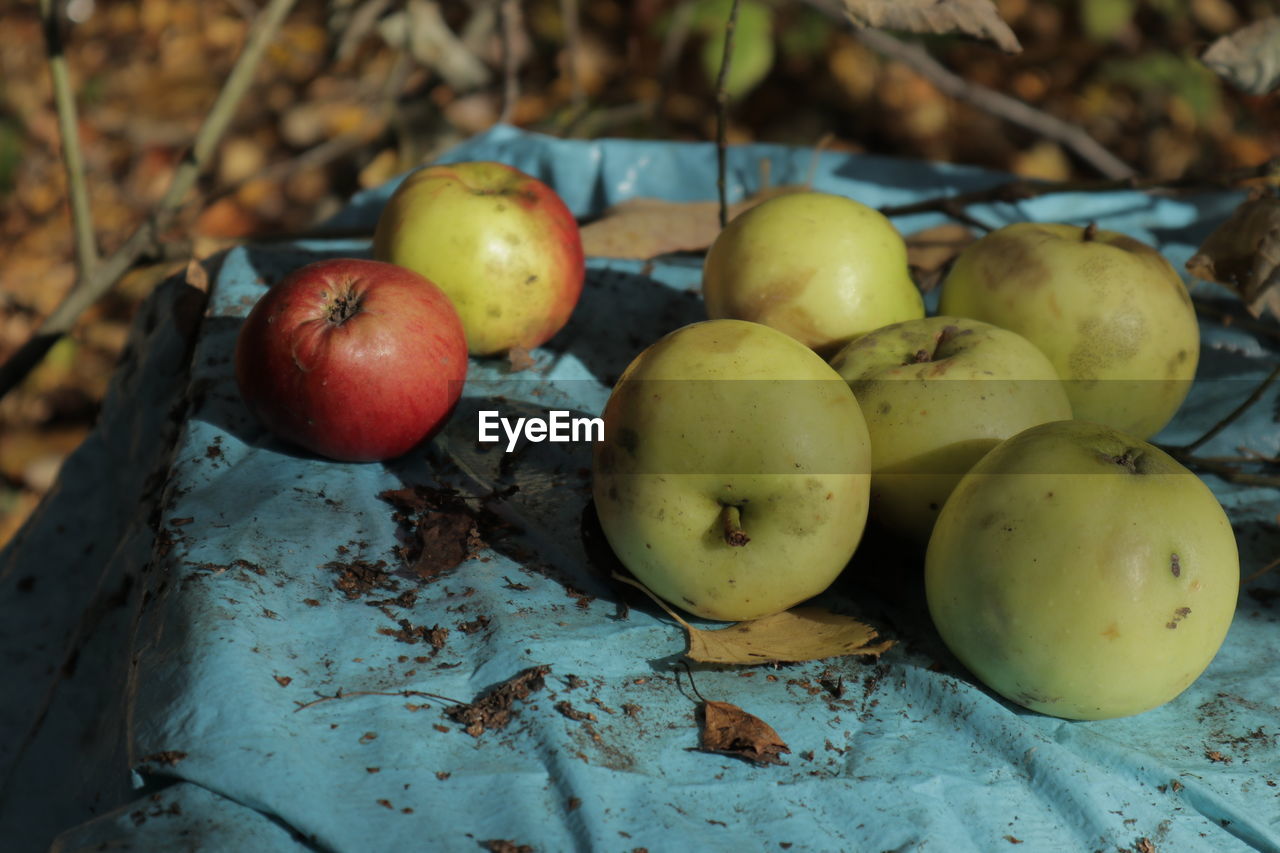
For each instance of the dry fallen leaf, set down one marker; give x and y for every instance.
(1243, 254)
(1248, 58)
(729, 730)
(492, 709)
(799, 634)
(931, 251)
(976, 18)
(518, 359)
(644, 228)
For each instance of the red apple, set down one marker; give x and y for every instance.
(352, 359)
(500, 243)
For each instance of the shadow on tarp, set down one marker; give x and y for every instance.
(620, 313)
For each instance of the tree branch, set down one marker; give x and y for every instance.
(722, 112)
(508, 13)
(569, 14)
(996, 103)
(89, 288)
(1231, 418)
(69, 130)
(1022, 189)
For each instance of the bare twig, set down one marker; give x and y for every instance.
(435, 45)
(1235, 414)
(88, 289)
(996, 103)
(69, 130)
(337, 147)
(572, 49)
(1230, 318)
(347, 694)
(1230, 473)
(722, 112)
(360, 23)
(1262, 571)
(509, 11)
(1022, 189)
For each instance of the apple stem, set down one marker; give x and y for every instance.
(344, 307)
(731, 518)
(1128, 460)
(1090, 232)
(922, 356)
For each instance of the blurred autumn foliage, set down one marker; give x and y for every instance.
(354, 91)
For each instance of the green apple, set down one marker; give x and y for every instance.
(937, 394)
(1110, 312)
(734, 472)
(501, 244)
(822, 268)
(1082, 573)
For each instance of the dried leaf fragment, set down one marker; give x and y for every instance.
(975, 18)
(729, 730)
(644, 228)
(442, 531)
(798, 634)
(518, 359)
(1243, 254)
(931, 251)
(1248, 58)
(492, 709)
(197, 275)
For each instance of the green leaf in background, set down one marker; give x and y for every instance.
(1103, 20)
(10, 152)
(1168, 74)
(753, 46)
(807, 36)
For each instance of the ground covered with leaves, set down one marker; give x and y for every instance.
(353, 92)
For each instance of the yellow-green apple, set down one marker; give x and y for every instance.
(734, 472)
(1082, 573)
(1110, 312)
(499, 242)
(937, 394)
(822, 268)
(353, 359)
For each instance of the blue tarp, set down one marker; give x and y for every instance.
(251, 655)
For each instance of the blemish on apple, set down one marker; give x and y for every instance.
(1178, 615)
(628, 440)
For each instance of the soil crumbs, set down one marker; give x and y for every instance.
(492, 710)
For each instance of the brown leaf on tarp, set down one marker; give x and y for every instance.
(1248, 58)
(644, 228)
(518, 359)
(931, 251)
(975, 18)
(799, 634)
(442, 531)
(729, 730)
(492, 709)
(792, 636)
(1243, 254)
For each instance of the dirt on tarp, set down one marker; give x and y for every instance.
(492, 710)
(357, 577)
